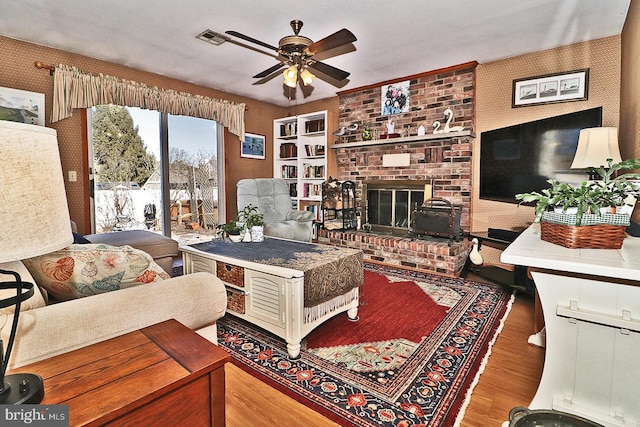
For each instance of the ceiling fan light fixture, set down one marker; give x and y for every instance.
(291, 76)
(306, 76)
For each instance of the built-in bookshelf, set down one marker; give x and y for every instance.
(302, 156)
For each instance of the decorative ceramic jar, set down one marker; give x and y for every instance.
(366, 133)
(257, 233)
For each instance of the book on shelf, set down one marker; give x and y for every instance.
(311, 190)
(289, 129)
(289, 171)
(313, 171)
(288, 150)
(293, 189)
(312, 126)
(314, 150)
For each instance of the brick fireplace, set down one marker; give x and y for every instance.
(442, 160)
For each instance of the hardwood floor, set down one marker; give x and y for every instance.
(510, 379)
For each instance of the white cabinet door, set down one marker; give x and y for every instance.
(265, 297)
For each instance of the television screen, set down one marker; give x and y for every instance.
(521, 158)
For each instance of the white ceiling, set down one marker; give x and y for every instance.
(395, 39)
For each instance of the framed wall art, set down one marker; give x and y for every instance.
(21, 106)
(550, 88)
(395, 98)
(253, 146)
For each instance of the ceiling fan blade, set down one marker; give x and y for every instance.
(339, 38)
(269, 70)
(251, 39)
(328, 70)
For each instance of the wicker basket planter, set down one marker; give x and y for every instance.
(605, 231)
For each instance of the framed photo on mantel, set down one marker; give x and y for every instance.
(551, 88)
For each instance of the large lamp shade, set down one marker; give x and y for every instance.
(34, 216)
(595, 146)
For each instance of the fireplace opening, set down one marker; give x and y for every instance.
(388, 204)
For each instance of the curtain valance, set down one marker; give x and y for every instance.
(73, 88)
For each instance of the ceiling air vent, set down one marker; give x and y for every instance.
(212, 37)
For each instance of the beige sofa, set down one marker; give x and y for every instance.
(196, 300)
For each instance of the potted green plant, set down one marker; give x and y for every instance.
(611, 190)
(230, 229)
(253, 221)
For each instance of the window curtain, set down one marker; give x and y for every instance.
(73, 88)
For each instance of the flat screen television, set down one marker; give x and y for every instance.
(521, 158)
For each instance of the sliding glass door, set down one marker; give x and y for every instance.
(156, 172)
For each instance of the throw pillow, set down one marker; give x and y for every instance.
(82, 270)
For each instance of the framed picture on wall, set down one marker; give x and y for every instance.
(395, 98)
(253, 146)
(21, 106)
(551, 88)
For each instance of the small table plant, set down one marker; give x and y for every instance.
(248, 226)
(592, 215)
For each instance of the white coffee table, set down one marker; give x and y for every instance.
(272, 296)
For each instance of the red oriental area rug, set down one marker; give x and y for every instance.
(411, 359)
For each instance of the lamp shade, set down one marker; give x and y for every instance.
(34, 216)
(306, 76)
(595, 146)
(291, 76)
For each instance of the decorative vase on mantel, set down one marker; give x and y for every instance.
(366, 133)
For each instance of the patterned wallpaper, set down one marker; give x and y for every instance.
(493, 106)
(493, 111)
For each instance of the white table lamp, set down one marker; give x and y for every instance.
(34, 220)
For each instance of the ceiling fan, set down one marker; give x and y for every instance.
(296, 52)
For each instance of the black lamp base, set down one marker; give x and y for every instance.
(22, 389)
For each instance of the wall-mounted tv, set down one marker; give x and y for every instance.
(521, 158)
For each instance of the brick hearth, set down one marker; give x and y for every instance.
(433, 255)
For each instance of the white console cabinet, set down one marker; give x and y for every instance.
(591, 304)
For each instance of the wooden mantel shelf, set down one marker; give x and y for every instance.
(405, 140)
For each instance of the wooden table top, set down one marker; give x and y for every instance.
(113, 377)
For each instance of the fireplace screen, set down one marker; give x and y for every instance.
(390, 209)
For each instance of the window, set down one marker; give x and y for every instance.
(144, 180)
